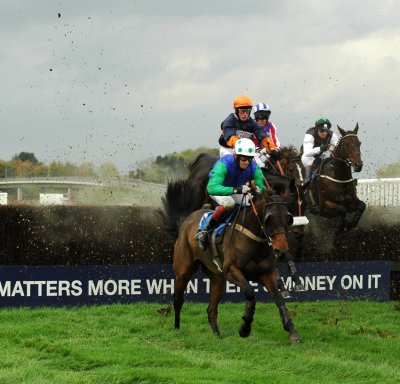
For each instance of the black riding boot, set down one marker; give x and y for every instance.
(307, 175)
(202, 236)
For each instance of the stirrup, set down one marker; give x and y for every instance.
(285, 294)
(298, 287)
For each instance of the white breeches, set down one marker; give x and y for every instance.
(230, 201)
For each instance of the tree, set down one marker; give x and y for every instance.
(389, 170)
(26, 156)
(108, 169)
(171, 166)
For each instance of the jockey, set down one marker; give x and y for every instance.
(261, 114)
(319, 142)
(240, 125)
(229, 179)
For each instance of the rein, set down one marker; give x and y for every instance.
(250, 234)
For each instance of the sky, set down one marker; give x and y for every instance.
(125, 81)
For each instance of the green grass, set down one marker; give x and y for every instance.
(343, 342)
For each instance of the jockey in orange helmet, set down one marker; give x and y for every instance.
(240, 125)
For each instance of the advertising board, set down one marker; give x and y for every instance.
(38, 286)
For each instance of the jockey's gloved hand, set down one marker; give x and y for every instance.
(262, 151)
(275, 154)
(242, 189)
(323, 147)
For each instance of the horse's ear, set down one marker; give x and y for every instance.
(342, 131)
(356, 129)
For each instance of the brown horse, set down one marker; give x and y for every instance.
(333, 193)
(290, 190)
(291, 173)
(247, 250)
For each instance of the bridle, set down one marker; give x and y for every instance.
(340, 145)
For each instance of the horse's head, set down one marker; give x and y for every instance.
(348, 148)
(276, 219)
(292, 166)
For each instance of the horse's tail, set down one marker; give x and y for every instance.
(177, 204)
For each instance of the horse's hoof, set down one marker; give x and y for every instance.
(244, 331)
(216, 332)
(285, 294)
(299, 288)
(294, 337)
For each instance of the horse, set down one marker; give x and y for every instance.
(288, 188)
(333, 192)
(290, 171)
(247, 250)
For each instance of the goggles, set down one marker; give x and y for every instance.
(323, 128)
(245, 158)
(244, 110)
(264, 116)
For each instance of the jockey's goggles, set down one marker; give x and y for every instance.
(244, 110)
(323, 128)
(245, 158)
(264, 116)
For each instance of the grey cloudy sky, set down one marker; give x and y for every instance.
(123, 81)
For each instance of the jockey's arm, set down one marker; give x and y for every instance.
(215, 185)
(259, 179)
(308, 146)
(269, 144)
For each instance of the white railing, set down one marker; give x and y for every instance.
(379, 192)
(75, 180)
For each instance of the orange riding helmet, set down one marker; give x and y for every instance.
(242, 101)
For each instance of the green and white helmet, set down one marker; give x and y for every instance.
(245, 147)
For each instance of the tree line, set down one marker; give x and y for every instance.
(25, 164)
(156, 170)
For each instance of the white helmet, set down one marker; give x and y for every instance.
(262, 107)
(245, 147)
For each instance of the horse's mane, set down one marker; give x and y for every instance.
(290, 152)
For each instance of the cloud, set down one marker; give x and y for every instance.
(128, 80)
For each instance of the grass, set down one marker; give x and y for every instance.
(346, 342)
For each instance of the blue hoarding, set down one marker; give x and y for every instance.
(37, 286)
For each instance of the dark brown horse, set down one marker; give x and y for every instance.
(290, 189)
(333, 193)
(291, 173)
(247, 250)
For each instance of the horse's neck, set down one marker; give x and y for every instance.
(338, 152)
(336, 168)
(248, 217)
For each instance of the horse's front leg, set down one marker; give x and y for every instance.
(359, 208)
(270, 283)
(339, 210)
(298, 233)
(235, 276)
(217, 290)
(287, 257)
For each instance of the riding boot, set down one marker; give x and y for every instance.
(202, 235)
(307, 175)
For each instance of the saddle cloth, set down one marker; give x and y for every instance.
(220, 229)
